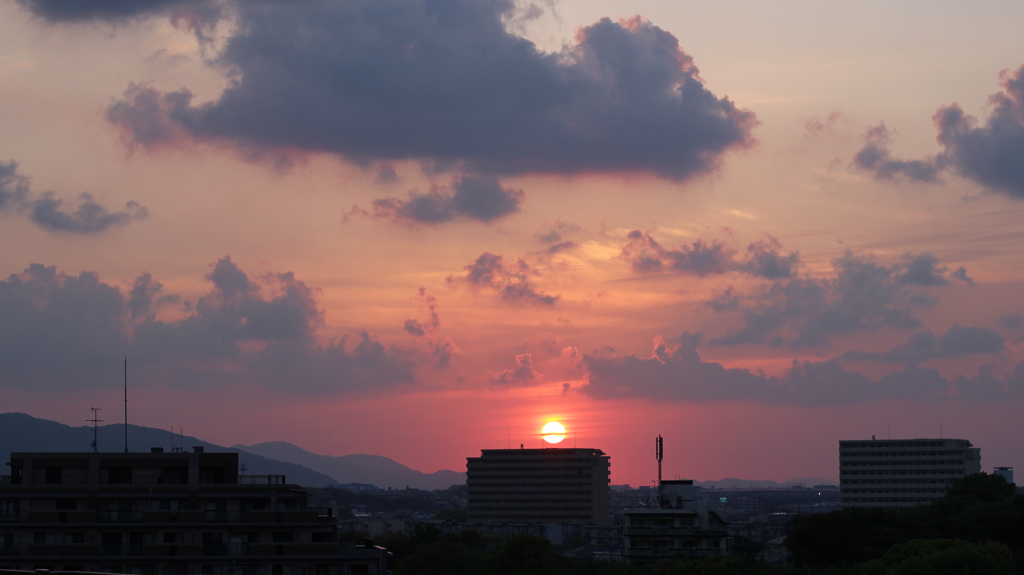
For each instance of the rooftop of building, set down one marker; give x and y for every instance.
(551, 451)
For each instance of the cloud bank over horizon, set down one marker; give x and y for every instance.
(60, 329)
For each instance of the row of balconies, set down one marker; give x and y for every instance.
(164, 550)
(539, 504)
(893, 492)
(923, 483)
(947, 466)
(304, 517)
(902, 472)
(634, 552)
(648, 531)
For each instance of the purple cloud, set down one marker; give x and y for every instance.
(444, 82)
(987, 152)
(511, 280)
(46, 210)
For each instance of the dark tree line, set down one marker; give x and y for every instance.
(978, 527)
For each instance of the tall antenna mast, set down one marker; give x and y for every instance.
(95, 426)
(126, 404)
(659, 452)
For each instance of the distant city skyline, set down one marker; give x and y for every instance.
(422, 228)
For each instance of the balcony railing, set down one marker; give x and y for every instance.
(261, 480)
(119, 517)
(674, 552)
(120, 549)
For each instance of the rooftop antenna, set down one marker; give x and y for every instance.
(659, 452)
(95, 426)
(126, 404)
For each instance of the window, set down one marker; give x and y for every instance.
(281, 570)
(174, 475)
(284, 536)
(10, 508)
(211, 475)
(54, 475)
(43, 538)
(72, 539)
(254, 504)
(66, 504)
(119, 475)
(169, 504)
(322, 536)
(173, 538)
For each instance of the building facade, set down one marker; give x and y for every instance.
(181, 513)
(556, 485)
(679, 527)
(897, 473)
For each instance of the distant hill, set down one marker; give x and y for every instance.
(21, 432)
(358, 468)
(733, 483)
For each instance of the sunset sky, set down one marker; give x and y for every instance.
(421, 228)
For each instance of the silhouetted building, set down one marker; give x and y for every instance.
(679, 527)
(1004, 472)
(556, 485)
(896, 473)
(165, 514)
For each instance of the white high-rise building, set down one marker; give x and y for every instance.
(896, 473)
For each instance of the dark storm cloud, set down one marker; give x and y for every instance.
(1011, 321)
(762, 259)
(56, 326)
(957, 341)
(108, 10)
(875, 157)
(88, 218)
(861, 295)
(923, 270)
(676, 372)
(14, 188)
(987, 152)
(63, 332)
(522, 373)
(444, 82)
(511, 280)
(647, 255)
(725, 300)
(146, 295)
(469, 197)
(45, 210)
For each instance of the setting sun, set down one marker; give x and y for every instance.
(554, 432)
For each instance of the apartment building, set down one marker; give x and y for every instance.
(179, 513)
(897, 473)
(679, 527)
(553, 485)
